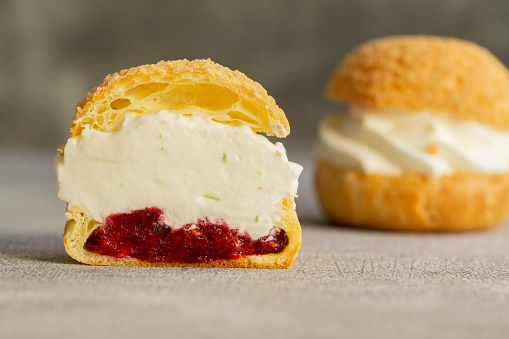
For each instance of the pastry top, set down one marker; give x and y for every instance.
(183, 86)
(416, 73)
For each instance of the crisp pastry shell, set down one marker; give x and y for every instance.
(416, 73)
(412, 202)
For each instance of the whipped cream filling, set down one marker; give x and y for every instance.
(392, 142)
(190, 167)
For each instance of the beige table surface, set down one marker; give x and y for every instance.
(345, 283)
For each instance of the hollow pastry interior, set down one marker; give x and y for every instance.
(199, 87)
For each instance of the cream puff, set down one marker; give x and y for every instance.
(166, 166)
(424, 143)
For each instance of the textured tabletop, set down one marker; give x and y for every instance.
(345, 283)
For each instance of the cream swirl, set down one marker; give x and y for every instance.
(393, 142)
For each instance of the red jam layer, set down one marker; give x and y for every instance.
(144, 235)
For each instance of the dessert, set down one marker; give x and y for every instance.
(424, 144)
(165, 166)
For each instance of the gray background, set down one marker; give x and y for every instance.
(345, 283)
(53, 52)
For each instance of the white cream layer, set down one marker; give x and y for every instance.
(392, 142)
(190, 167)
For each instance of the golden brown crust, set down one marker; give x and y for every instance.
(425, 73)
(413, 202)
(78, 228)
(176, 85)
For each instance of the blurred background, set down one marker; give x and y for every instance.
(54, 51)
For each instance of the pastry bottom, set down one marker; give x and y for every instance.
(412, 202)
(80, 226)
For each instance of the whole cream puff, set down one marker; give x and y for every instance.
(424, 144)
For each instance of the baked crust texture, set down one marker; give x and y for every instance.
(424, 73)
(189, 87)
(184, 86)
(412, 202)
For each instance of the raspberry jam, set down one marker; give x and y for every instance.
(144, 235)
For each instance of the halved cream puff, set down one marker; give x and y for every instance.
(165, 166)
(424, 144)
